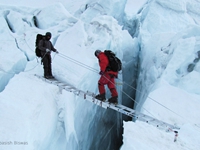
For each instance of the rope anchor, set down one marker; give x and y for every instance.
(176, 135)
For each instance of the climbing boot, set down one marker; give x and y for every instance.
(113, 100)
(101, 97)
(47, 77)
(51, 77)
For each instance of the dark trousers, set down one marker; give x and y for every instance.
(47, 65)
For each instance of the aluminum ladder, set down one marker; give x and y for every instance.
(89, 96)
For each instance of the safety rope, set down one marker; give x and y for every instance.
(96, 71)
(152, 99)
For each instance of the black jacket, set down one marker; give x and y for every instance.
(45, 44)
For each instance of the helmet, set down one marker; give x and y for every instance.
(48, 34)
(97, 52)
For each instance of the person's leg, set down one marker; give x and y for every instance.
(101, 85)
(112, 88)
(49, 67)
(45, 66)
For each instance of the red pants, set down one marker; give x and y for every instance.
(110, 81)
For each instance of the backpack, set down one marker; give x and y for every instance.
(37, 50)
(114, 62)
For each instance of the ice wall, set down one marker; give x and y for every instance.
(164, 41)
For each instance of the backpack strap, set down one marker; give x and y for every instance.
(43, 42)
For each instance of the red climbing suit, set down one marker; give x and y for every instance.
(108, 77)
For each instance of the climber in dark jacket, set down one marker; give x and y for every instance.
(46, 47)
(107, 78)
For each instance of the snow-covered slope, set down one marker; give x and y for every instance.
(162, 57)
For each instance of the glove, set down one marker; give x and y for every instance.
(56, 51)
(101, 72)
(48, 50)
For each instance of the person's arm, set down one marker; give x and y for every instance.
(52, 48)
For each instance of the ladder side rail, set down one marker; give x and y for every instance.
(153, 120)
(92, 99)
(124, 107)
(128, 110)
(62, 84)
(120, 110)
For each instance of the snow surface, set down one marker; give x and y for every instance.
(37, 115)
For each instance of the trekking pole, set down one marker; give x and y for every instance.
(54, 55)
(37, 59)
(43, 57)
